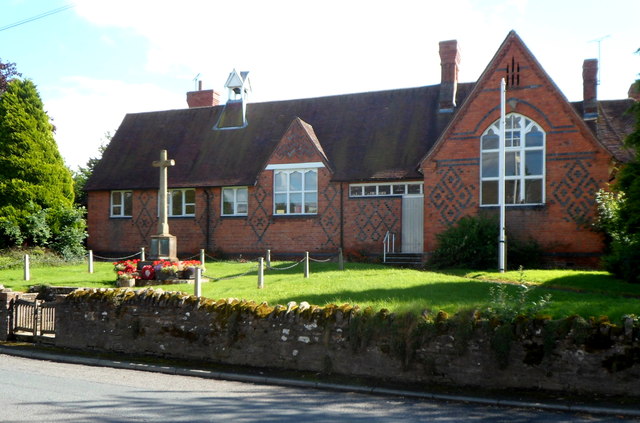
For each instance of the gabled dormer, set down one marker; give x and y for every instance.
(234, 114)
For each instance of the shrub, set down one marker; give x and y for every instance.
(623, 259)
(473, 243)
(68, 230)
(470, 243)
(524, 253)
(623, 248)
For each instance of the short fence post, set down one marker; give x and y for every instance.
(197, 285)
(340, 260)
(202, 259)
(268, 259)
(37, 316)
(260, 273)
(142, 255)
(27, 274)
(306, 264)
(90, 261)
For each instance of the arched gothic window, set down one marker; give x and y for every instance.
(524, 162)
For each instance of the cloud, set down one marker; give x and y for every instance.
(83, 109)
(307, 49)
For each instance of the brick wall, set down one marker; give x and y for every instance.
(576, 165)
(572, 355)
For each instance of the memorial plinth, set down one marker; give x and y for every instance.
(163, 245)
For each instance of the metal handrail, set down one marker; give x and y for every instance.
(388, 245)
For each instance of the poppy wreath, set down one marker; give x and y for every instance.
(148, 272)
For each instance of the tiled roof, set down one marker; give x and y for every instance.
(365, 136)
(612, 126)
(370, 136)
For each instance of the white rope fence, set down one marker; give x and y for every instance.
(261, 266)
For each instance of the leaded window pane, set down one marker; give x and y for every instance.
(128, 203)
(190, 196)
(534, 138)
(295, 203)
(399, 189)
(491, 141)
(489, 165)
(370, 190)
(281, 182)
(355, 191)
(512, 191)
(242, 195)
(512, 138)
(533, 191)
(295, 181)
(489, 192)
(533, 162)
(512, 164)
(384, 189)
(311, 203)
(176, 203)
(413, 189)
(280, 203)
(311, 180)
(116, 198)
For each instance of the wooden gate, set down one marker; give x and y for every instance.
(34, 320)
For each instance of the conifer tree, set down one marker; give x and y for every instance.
(33, 175)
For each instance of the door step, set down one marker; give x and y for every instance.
(404, 259)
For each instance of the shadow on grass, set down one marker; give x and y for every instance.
(595, 284)
(432, 296)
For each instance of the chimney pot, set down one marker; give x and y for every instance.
(590, 89)
(449, 62)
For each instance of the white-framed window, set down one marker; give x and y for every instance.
(121, 203)
(182, 202)
(295, 191)
(385, 189)
(235, 201)
(524, 162)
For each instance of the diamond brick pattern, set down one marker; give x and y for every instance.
(451, 196)
(375, 218)
(575, 192)
(144, 220)
(259, 220)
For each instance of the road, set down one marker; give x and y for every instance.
(44, 391)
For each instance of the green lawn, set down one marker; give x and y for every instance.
(572, 292)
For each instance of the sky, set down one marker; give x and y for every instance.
(98, 60)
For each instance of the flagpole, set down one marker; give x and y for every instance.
(502, 253)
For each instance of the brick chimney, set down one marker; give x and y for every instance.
(449, 61)
(590, 89)
(202, 98)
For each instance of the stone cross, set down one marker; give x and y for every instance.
(163, 164)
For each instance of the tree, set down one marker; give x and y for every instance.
(629, 177)
(81, 176)
(7, 73)
(31, 167)
(36, 188)
(619, 212)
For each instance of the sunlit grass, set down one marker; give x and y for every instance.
(368, 285)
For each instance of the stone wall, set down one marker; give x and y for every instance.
(569, 355)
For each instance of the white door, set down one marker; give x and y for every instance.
(412, 223)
